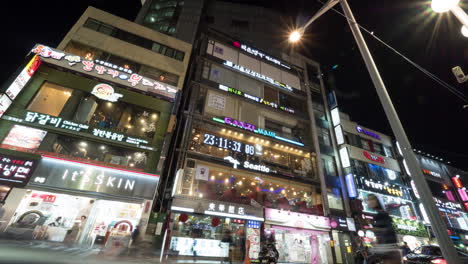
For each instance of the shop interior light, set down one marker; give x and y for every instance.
(182, 209)
(246, 217)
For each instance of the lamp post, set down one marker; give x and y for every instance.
(435, 218)
(442, 6)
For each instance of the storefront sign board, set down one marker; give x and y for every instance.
(217, 208)
(71, 175)
(105, 72)
(373, 158)
(16, 171)
(297, 220)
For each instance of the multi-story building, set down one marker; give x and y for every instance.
(106, 38)
(371, 166)
(247, 166)
(447, 184)
(80, 144)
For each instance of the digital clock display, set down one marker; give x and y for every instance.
(225, 143)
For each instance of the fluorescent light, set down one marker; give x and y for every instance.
(289, 141)
(248, 217)
(182, 209)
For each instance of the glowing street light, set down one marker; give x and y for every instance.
(464, 31)
(441, 6)
(295, 36)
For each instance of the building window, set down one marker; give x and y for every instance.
(378, 148)
(240, 23)
(329, 166)
(132, 38)
(270, 94)
(324, 136)
(366, 144)
(388, 151)
(94, 151)
(50, 99)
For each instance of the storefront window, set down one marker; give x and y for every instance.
(208, 236)
(93, 151)
(365, 144)
(206, 180)
(286, 160)
(75, 219)
(50, 99)
(300, 245)
(85, 108)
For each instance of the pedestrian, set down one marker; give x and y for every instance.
(405, 249)
(227, 238)
(361, 254)
(135, 234)
(386, 249)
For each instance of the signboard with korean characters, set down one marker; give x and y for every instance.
(296, 220)
(105, 71)
(16, 171)
(58, 122)
(67, 174)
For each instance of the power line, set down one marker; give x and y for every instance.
(417, 66)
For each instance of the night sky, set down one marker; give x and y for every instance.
(433, 117)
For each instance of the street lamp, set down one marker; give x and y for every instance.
(295, 36)
(441, 6)
(464, 31)
(446, 244)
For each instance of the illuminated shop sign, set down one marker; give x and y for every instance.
(108, 72)
(224, 209)
(447, 205)
(457, 182)
(67, 174)
(409, 227)
(344, 156)
(16, 171)
(106, 92)
(373, 157)
(247, 165)
(431, 173)
(367, 132)
(352, 192)
(224, 143)
(255, 98)
(258, 75)
(260, 54)
(253, 128)
(58, 122)
(383, 187)
(18, 84)
(296, 220)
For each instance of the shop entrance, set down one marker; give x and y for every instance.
(300, 245)
(73, 220)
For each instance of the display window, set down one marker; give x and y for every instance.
(300, 245)
(221, 143)
(59, 145)
(119, 116)
(216, 237)
(413, 241)
(73, 219)
(210, 181)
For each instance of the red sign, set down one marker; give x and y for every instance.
(15, 171)
(373, 157)
(456, 181)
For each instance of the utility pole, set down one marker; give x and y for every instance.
(438, 225)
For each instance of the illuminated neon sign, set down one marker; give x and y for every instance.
(250, 127)
(260, 54)
(106, 92)
(247, 165)
(352, 193)
(258, 75)
(255, 98)
(367, 132)
(431, 173)
(373, 157)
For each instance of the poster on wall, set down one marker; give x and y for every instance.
(24, 137)
(253, 235)
(217, 101)
(202, 173)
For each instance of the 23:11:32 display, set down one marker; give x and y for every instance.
(225, 143)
